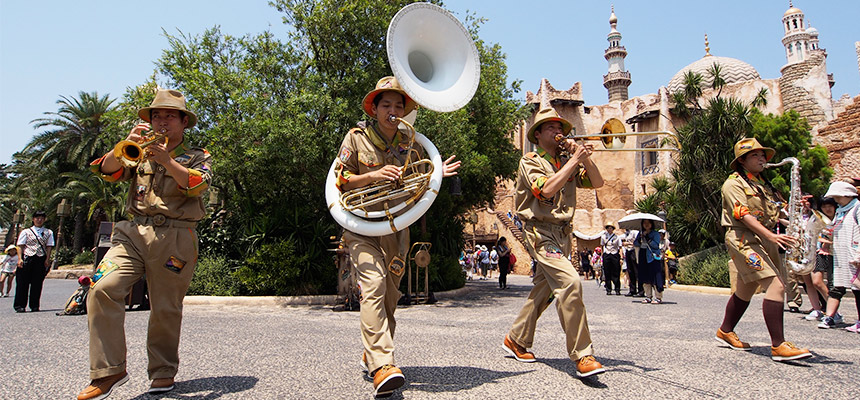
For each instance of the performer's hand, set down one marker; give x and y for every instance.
(158, 153)
(783, 240)
(581, 152)
(387, 173)
(136, 133)
(449, 168)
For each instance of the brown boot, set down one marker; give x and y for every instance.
(386, 379)
(518, 352)
(587, 366)
(161, 385)
(102, 387)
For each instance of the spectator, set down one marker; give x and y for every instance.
(636, 288)
(611, 246)
(650, 262)
(597, 265)
(494, 261)
(485, 261)
(36, 244)
(824, 256)
(846, 260)
(504, 261)
(672, 263)
(7, 269)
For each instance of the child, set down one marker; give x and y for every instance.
(7, 269)
(846, 254)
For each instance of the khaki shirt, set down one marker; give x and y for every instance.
(534, 170)
(364, 150)
(153, 192)
(742, 197)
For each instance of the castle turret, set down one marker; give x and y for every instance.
(796, 38)
(618, 79)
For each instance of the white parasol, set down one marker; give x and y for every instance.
(634, 221)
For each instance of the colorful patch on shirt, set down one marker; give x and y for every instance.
(182, 159)
(754, 261)
(140, 192)
(345, 154)
(105, 267)
(553, 252)
(174, 264)
(396, 266)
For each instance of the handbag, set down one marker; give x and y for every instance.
(513, 258)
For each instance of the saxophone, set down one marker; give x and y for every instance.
(797, 255)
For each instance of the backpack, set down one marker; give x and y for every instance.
(77, 304)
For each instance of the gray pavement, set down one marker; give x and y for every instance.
(450, 350)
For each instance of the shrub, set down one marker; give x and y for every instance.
(274, 269)
(64, 256)
(85, 257)
(707, 268)
(215, 276)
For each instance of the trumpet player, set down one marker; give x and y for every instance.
(545, 201)
(159, 242)
(375, 151)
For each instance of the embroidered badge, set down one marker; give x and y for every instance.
(183, 158)
(174, 264)
(105, 267)
(553, 252)
(345, 153)
(140, 192)
(754, 261)
(396, 266)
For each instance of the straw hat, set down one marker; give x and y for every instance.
(10, 247)
(609, 224)
(170, 100)
(841, 189)
(387, 84)
(548, 115)
(747, 145)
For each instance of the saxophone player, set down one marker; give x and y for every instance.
(750, 212)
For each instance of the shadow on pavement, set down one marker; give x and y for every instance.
(486, 293)
(614, 366)
(207, 388)
(451, 379)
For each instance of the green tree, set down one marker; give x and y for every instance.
(74, 134)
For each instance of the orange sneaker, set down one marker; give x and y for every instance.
(587, 366)
(102, 387)
(518, 352)
(731, 339)
(387, 379)
(787, 351)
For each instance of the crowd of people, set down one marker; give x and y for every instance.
(481, 262)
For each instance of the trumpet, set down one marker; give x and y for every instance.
(613, 135)
(129, 153)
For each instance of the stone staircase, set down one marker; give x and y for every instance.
(503, 218)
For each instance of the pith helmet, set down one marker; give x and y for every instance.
(389, 83)
(747, 145)
(547, 115)
(171, 100)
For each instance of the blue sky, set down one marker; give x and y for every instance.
(54, 48)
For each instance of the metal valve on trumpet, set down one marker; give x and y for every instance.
(129, 153)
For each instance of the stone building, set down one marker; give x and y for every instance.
(803, 85)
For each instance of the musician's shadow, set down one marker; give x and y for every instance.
(206, 388)
(452, 378)
(569, 367)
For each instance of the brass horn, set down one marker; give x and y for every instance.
(614, 136)
(129, 153)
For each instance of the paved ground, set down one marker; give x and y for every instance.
(450, 350)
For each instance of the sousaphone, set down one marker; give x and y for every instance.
(434, 59)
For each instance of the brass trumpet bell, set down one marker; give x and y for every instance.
(129, 154)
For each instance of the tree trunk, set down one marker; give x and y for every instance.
(80, 225)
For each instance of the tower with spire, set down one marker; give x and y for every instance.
(618, 79)
(796, 38)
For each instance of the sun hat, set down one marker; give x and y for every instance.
(387, 84)
(747, 145)
(171, 100)
(9, 248)
(547, 115)
(609, 224)
(841, 189)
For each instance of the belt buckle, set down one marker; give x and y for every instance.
(159, 220)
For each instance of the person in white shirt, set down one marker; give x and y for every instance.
(36, 244)
(494, 261)
(611, 245)
(7, 269)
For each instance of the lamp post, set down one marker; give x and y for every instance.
(16, 219)
(473, 218)
(64, 209)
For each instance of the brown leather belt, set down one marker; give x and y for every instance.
(159, 220)
(567, 229)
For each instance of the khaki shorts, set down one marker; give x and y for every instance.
(753, 259)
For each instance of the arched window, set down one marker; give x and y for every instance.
(790, 49)
(795, 23)
(806, 46)
(787, 26)
(799, 50)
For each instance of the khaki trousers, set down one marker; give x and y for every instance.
(554, 274)
(167, 256)
(379, 291)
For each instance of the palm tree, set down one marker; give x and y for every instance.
(91, 196)
(76, 134)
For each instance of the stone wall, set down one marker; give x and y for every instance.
(804, 87)
(841, 137)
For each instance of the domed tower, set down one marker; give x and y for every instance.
(796, 39)
(618, 79)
